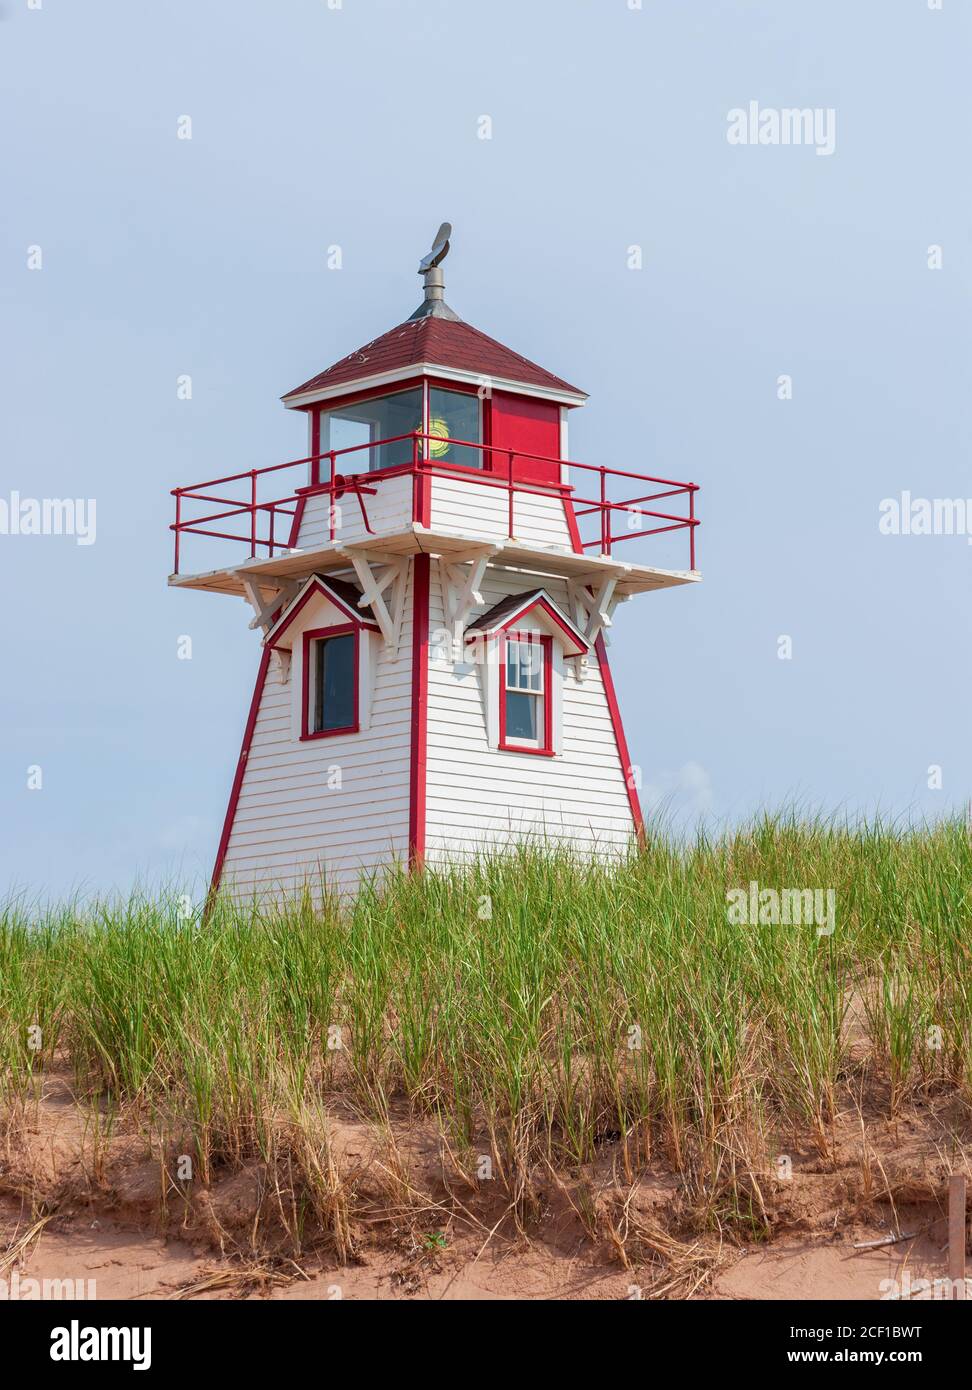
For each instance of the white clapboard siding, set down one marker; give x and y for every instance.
(477, 510)
(480, 797)
(289, 826)
(388, 511)
(458, 507)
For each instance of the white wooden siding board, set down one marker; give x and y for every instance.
(329, 812)
(449, 819)
(349, 841)
(322, 801)
(298, 859)
(283, 838)
(611, 798)
(583, 839)
(582, 834)
(295, 771)
(493, 782)
(284, 886)
(307, 758)
(357, 779)
(356, 782)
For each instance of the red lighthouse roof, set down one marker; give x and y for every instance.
(433, 342)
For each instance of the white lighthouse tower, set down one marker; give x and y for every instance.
(431, 584)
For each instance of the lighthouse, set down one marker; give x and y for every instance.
(431, 587)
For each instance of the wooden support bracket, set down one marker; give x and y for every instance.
(593, 606)
(264, 609)
(461, 589)
(376, 573)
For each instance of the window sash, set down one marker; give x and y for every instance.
(535, 718)
(524, 665)
(331, 683)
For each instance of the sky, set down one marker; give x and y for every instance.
(130, 257)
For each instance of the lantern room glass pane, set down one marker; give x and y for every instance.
(334, 683)
(367, 422)
(454, 415)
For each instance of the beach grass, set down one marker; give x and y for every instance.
(533, 1005)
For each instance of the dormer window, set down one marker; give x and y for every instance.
(525, 709)
(329, 639)
(330, 667)
(520, 646)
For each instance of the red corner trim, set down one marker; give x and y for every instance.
(420, 701)
(619, 738)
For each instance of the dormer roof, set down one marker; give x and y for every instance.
(537, 602)
(431, 344)
(343, 595)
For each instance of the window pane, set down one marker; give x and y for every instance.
(454, 415)
(512, 665)
(382, 417)
(522, 715)
(334, 683)
(524, 665)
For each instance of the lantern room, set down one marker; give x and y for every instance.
(438, 394)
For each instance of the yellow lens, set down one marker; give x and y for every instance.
(438, 448)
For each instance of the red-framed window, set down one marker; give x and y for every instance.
(330, 682)
(526, 693)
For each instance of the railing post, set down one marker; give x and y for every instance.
(273, 513)
(421, 480)
(510, 483)
(178, 523)
(253, 495)
(330, 495)
(605, 521)
(415, 477)
(692, 528)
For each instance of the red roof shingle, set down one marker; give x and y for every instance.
(442, 343)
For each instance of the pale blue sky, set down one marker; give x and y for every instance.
(358, 127)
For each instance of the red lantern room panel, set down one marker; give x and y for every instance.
(527, 426)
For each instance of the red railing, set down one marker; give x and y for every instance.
(262, 528)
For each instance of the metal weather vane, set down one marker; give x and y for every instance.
(434, 305)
